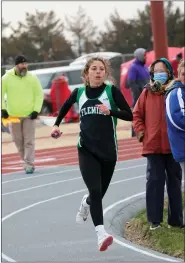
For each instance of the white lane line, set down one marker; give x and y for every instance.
(118, 162)
(53, 173)
(128, 179)
(7, 258)
(41, 160)
(70, 154)
(63, 181)
(71, 150)
(36, 176)
(45, 201)
(20, 167)
(105, 211)
(42, 185)
(57, 164)
(38, 169)
(74, 159)
(132, 247)
(31, 206)
(75, 156)
(14, 168)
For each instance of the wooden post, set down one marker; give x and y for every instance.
(160, 41)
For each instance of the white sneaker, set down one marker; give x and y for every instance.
(83, 212)
(104, 241)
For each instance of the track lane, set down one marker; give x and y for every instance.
(127, 149)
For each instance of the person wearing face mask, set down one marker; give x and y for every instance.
(149, 122)
(175, 101)
(138, 75)
(24, 99)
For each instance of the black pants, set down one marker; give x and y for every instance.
(161, 168)
(97, 175)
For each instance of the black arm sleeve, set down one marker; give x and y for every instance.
(125, 112)
(66, 106)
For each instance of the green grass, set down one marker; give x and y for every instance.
(165, 240)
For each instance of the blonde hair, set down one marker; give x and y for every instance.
(180, 66)
(106, 65)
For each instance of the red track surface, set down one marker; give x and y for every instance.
(128, 149)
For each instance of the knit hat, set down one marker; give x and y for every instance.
(20, 59)
(139, 54)
(168, 65)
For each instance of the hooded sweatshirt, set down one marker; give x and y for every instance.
(175, 115)
(23, 94)
(138, 74)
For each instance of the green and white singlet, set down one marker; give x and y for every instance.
(97, 130)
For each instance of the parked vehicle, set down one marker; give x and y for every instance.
(115, 59)
(73, 74)
(48, 75)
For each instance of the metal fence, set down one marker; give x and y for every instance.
(51, 64)
(127, 57)
(39, 65)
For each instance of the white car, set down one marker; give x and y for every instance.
(47, 75)
(115, 59)
(105, 55)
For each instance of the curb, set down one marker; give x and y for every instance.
(118, 216)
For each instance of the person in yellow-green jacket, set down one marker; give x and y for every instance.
(24, 99)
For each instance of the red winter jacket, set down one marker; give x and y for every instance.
(149, 116)
(59, 93)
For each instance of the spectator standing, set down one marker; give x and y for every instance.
(24, 99)
(149, 122)
(175, 109)
(138, 76)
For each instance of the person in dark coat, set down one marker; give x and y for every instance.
(138, 76)
(149, 122)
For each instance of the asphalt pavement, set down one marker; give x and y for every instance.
(38, 216)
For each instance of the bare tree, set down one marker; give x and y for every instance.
(83, 31)
(45, 33)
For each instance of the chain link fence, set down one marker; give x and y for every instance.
(51, 64)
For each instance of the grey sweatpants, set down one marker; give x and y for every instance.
(23, 134)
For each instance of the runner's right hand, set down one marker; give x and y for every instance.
(55, 133)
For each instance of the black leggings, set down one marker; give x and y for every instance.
(97, 175)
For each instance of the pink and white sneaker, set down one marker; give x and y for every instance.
(104, 241)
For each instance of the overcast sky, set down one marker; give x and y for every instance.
(99, 11)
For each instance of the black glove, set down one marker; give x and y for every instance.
(4, 114)
(33, 115)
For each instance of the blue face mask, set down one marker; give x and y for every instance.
(162, 77)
